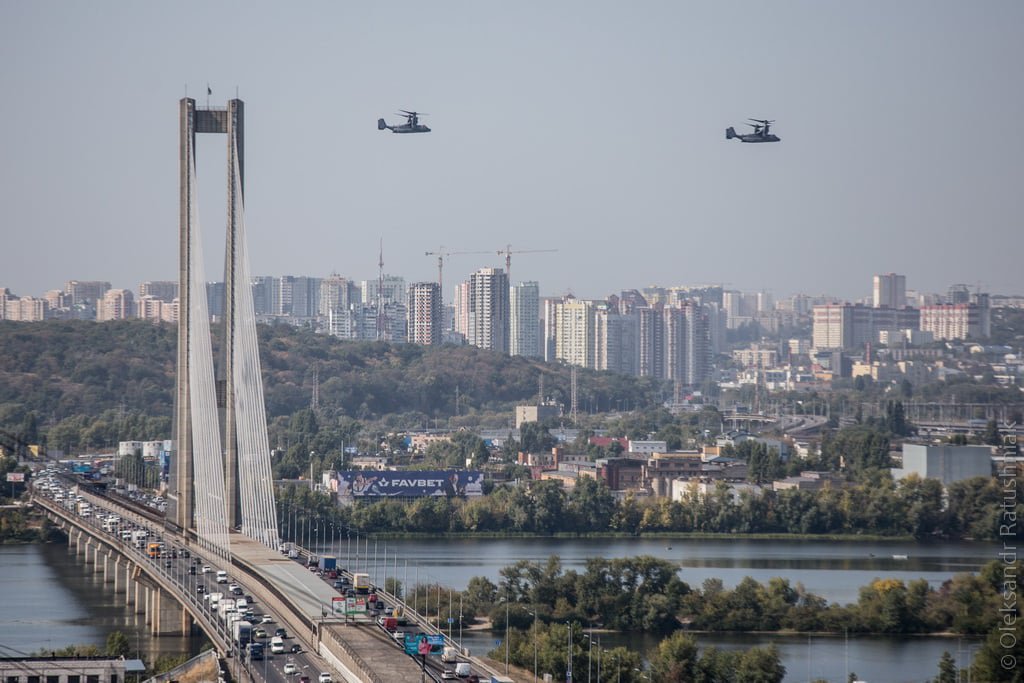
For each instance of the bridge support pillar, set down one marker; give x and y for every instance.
(109, 570)
(117, 574)
(140, 598)
(167, 617)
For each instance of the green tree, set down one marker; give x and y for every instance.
(947, 669)
(117, 644)
(676, 659)
(760, 665)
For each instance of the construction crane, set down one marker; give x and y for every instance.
(441, 255)
(508, 251)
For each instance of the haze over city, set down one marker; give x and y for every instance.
(596, 129)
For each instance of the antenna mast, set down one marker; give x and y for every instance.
(381, 321)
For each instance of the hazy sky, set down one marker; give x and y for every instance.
(593, 128)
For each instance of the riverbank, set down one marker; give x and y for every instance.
(666, 535)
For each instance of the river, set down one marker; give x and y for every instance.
(835, 570)
(50, 600)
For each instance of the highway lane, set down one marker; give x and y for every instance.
(180, 566)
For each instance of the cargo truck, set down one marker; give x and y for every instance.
(361, 583)
(328, 563)
(241, 631)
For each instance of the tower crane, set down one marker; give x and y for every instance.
(441, 255)
(508, 251)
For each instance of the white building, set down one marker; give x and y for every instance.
(948, 464)
(524, 320)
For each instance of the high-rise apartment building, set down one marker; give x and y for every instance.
(304, 296)
(847, 326)
(489, 309)
(85, 292)
(616, 340)
(889, 290)
(957, 321)
(83, 296)
(460, 309)
(336, 294)
(425, 313)
(215, 299)
(393, 288)
(164, 290)
(576, 332)
(24, 309)
(651, 342)
(265, 295)
(116, 304)
(524, 320)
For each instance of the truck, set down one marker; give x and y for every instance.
(328, 564)
(241, 631)
(139, 537)
(450, 655)
(255, 650)
(495, 678)
(361, 583)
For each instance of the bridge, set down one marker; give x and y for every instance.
(221, 529)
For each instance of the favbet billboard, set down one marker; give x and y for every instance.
(411, 484)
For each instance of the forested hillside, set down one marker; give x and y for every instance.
(69, 372)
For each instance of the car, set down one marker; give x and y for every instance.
(207, 569)
(200, 588)
(167, 562)
(448, 675)
(303, 679)
(259, 633)
(324, 678)
(222, 576)
(266, 619)
(280, 633)
(290, 668)
(295, 649)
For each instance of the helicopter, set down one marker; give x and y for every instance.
(412, 123)
(761, 132)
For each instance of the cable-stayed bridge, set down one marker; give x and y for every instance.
(221, 514)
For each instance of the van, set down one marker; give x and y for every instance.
(222, 576)
(277, 645)
(462, 670)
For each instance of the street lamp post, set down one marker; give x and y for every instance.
(506, 630)
(534, 615)
(568, 670)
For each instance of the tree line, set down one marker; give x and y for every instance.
(878, 506)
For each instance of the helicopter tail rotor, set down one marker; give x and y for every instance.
(730, 133)
(381, 125)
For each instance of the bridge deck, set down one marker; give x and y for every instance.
(310, 593)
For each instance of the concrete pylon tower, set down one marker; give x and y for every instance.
(192, 120)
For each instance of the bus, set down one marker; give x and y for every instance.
(153, 549)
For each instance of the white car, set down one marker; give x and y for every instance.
(290, 669)
(207, 569)
(222, 576)
(324, 677)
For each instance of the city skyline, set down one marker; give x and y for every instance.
(601, 136)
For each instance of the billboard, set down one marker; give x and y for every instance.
(422, 644)
(15, 476)
(408, 484)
